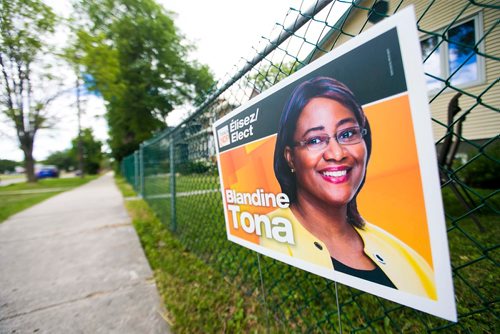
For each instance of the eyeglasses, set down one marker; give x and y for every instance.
(348, 136)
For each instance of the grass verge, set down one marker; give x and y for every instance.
(198, 299)
(17, 197)
(125, 188)
(299, 301)
(11, 177)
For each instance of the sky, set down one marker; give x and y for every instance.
(223, 31)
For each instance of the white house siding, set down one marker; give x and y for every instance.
(481, 122)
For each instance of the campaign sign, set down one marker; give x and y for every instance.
(333, 170)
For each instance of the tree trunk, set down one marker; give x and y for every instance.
(29, 161)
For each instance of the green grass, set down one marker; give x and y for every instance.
(303, 302)
(198, 298)
(11, 177)
(12, 203)
(160, 184)
(125, 188)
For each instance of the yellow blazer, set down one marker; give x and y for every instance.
(407, 269)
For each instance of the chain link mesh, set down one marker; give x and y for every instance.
(176, 172)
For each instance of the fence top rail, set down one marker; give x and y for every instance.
(270, 47)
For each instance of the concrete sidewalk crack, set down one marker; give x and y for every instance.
(96, 294)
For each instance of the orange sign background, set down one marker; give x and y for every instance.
(245, 169)
(392, 196)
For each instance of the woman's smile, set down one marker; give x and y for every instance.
(335, 175)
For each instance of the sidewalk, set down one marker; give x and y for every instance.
(74, 264)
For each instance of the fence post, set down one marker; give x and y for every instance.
(173, 221)
(141, 170)
(136, 171)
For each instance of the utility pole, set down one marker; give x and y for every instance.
(79, 110)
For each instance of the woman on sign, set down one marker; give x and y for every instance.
(322, 150)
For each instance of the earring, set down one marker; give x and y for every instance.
(292, 170)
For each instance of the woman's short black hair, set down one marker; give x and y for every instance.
(316, 87)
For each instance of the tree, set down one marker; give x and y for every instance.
(68, 159)
(7, 165)
(137, 61)
(62, 159)
(24, 25)
(92, 151)
(269, 75)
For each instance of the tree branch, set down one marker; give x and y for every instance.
(7, 84)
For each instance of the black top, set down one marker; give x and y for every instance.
(376, 275)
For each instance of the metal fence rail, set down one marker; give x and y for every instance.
(176, 172)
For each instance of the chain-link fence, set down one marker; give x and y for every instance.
(176, 172)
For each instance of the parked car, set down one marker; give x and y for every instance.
(47, 171)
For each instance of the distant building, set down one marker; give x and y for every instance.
(19, 170)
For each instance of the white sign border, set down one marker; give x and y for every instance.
(404, 22)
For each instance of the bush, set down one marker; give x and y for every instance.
(483, 171)
(192, 167)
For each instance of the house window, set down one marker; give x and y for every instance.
(450, 55)
(432, 65)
